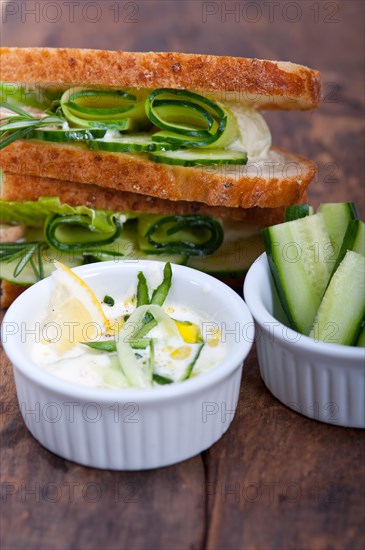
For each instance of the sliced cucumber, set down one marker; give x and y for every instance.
(29, 95)
(361, 339)
(354, 240)
(297, 211)
(337, 217)
(73, 134)
(241, 247)
(189, 235)
(90, 108)
(199, 157)
(298, 254)
(358, 245)
(130, 143)
(127, 246)
(341, 313)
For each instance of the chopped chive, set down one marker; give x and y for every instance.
(111, 345)
(162, 380)
(145, 329)
(147, 318)
(160, 293)
(141, 343)
(151, 361)
(108, 300)
(190, 367)
(142, 290)
(104, 345)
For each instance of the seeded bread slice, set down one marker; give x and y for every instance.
(278, 180)
(262, 83)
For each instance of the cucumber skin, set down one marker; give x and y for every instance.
(297, 211)
(331, 303)
(350, 241)
(337, 217)
(67, 136)
(199, 161)
(361, 339)
(275, 275)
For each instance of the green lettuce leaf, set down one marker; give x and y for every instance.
(35, 213)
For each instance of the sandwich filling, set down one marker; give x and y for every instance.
(171, 126)
(48, 230)
(164, 125)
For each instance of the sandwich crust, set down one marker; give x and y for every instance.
(280, 180)
(264, 84)
(9, 292)
(18, 187)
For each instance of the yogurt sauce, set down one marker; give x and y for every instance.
(85, 366)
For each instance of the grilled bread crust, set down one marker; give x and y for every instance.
(262, 83)
(9, 292)
(18, 187)
(280, 180)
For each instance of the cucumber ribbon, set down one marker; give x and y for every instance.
(165, 119)
(187, 235)
(74, 232)
(113, 109)
(83, 229)
(189, 119)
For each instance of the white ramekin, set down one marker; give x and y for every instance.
(131, 429)
(319, 380)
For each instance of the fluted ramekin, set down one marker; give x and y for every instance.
(131, 429)
(320, 380)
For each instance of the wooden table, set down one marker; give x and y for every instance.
(276, 480)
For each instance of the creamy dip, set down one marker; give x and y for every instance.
(172, 356)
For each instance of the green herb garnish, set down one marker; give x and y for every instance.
(162, 380)
(108, 300)
(23, 124)
(142, 290)
(26, 253)
(190, 367)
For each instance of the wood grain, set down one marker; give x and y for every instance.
(276, 480)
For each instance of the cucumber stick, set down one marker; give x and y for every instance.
(298, 253)
(296, 211)
(354, 239)
(342, 309)
(361, 339)
(337, 217)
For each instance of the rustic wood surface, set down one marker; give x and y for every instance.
(276, 480)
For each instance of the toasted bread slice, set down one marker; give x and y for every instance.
(265, 84)
(278, 180)
(17, 187)
(9, 292)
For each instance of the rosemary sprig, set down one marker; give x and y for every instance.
(26, 253)
(22, 124)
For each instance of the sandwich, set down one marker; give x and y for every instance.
(119, 155)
